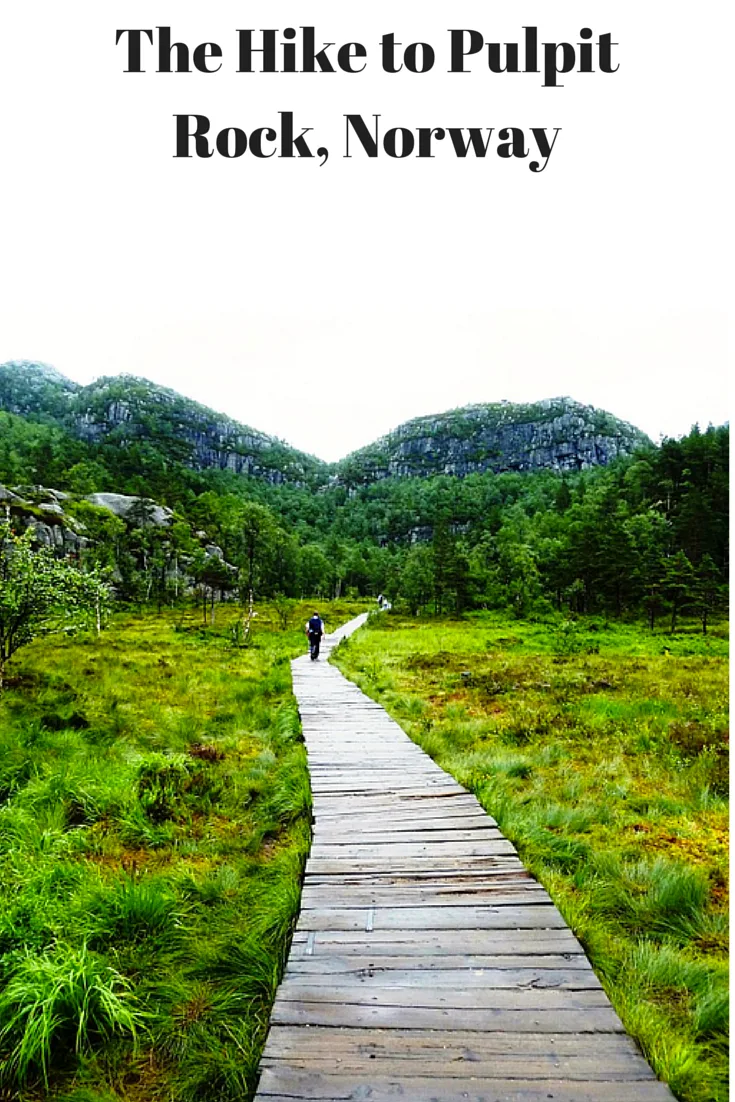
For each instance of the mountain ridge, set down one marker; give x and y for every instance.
(558, 434)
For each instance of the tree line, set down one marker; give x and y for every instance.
(646, 536)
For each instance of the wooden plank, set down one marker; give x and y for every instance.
(325, 961)
(346, 991)
(410, 1043)
(550, 1069)
(414, 836)
(396, 822)
(409, 896)
(366, 851)
(348, 975)
(506, 878)
(427, 865)
(400, 789)
(503, 870)
(532, 917)
(410, 789)
(418, 801)
(434, 943)
(284, 1083)
(486, 1019)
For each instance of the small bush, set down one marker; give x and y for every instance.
(568, 638)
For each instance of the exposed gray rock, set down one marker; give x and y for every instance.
(39, 508)
(559, 435)
(126, 407)
(62, 539)
(53, 529)
(139, 509)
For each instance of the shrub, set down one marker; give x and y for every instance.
(567, 638)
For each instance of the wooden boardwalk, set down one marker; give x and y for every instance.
(427, 964)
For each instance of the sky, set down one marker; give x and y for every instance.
(326, 305)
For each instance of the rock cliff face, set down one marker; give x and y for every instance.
(126, 409)
(559, 434)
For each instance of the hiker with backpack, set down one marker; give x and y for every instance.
(314, 632)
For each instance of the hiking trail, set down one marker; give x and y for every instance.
(427, 963)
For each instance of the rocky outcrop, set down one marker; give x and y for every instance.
(29, 388)
(127, 409)
(41, 509)
(141, 511)
(559, 435)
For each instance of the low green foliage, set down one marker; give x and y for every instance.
(602, 750)
(40, 593)
(58, 1003)
(154, 824)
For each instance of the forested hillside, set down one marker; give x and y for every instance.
(157, 564)
(642, 533)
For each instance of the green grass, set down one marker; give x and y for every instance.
(602, 750)
(154, 823)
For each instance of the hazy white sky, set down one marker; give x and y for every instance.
(326, 305)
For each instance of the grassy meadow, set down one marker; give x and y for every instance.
(154, 823)
(602, 750)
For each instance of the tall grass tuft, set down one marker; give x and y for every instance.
(130, 910)
(57, 1001)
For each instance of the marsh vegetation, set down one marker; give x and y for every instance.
(602, 750)
(154, 823)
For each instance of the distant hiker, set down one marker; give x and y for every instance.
(314, 632)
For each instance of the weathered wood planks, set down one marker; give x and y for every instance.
(427, 963)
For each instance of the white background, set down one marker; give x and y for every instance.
(326, 305)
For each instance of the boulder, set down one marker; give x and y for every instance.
(138, 510)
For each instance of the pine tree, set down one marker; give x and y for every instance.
(708, 589)
(678, 584)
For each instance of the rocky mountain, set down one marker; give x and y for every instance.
(34, 389)
(559, 434)
(126, 409)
